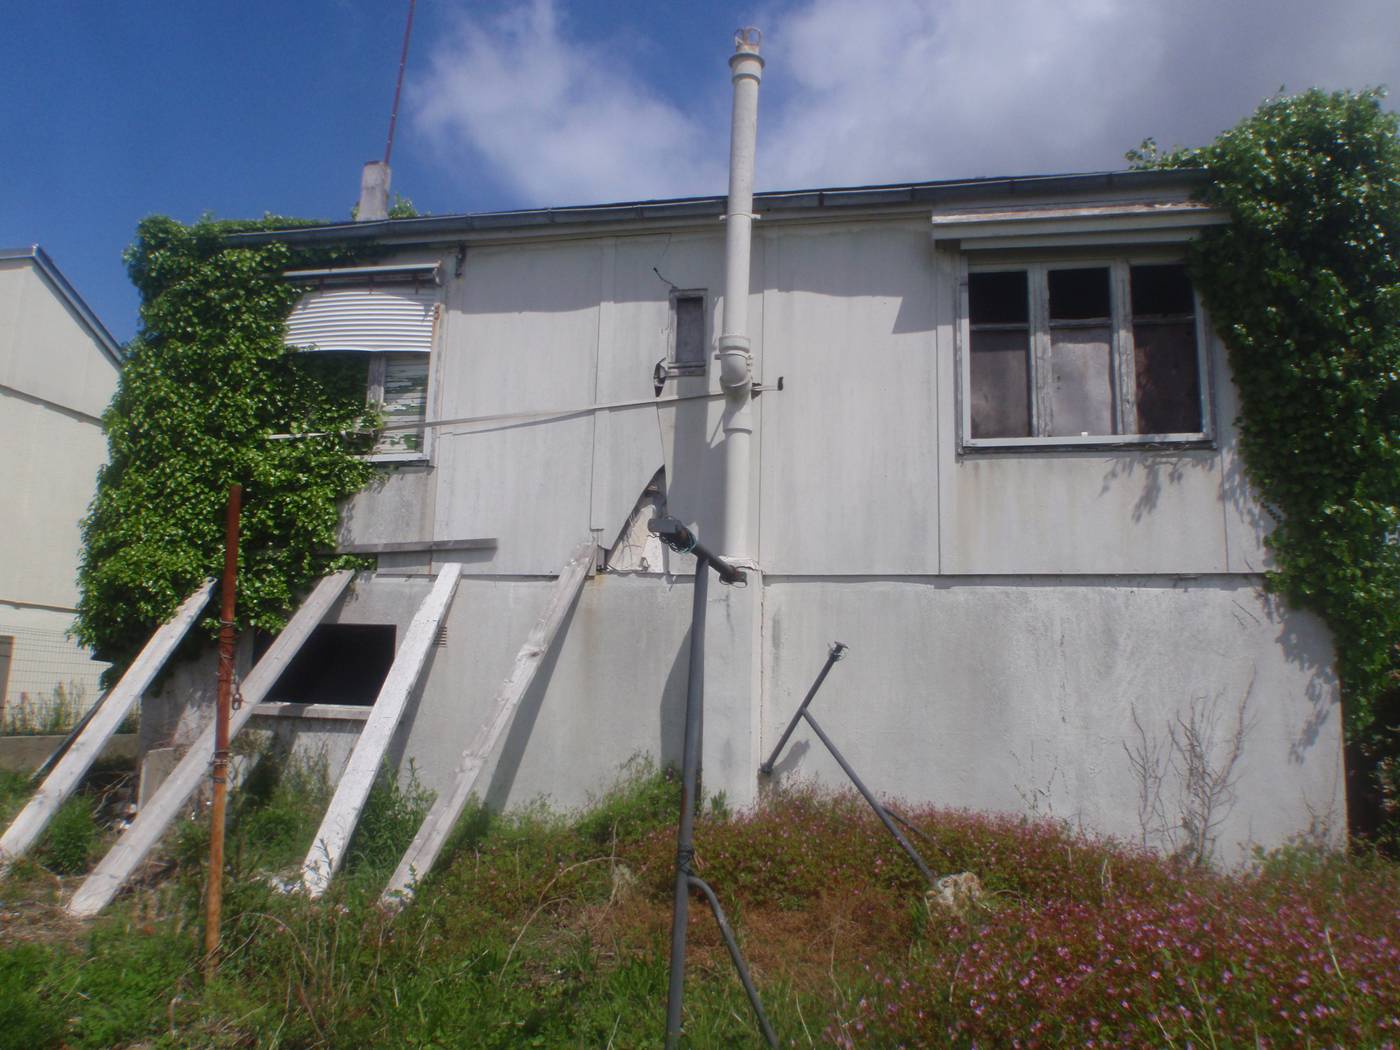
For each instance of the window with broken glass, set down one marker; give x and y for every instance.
(1082, 352)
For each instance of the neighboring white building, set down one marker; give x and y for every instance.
(995, 452)
(58, 370)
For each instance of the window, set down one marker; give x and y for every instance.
(1082, 352)
(688, 341)
(388, 314)
(340, 663)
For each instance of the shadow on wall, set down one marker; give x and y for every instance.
(1158, 470)
(523, 726)
(1303, 636)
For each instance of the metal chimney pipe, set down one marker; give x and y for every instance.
(735, 360)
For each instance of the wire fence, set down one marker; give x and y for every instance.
(47, 682)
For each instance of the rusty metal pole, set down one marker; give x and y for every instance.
(215, 896)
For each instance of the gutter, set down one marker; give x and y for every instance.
(779, 204)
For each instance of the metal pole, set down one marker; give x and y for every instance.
(874, 803)
(734, 954)
(838, 650)
(685, 835)
(215, 897)
(398, 84)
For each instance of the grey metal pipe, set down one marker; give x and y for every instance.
(838, 650)
(685, 834)
(729, 942)
(880, 810)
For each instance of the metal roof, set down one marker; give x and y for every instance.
(49, 269)
(787, 202)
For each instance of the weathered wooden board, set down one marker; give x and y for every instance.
(66, 776)
(327, 851)
(145, 831)
(432, 836)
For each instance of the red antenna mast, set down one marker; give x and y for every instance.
(398, 87)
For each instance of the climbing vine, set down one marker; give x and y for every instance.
(1304, 286)
(206, 382)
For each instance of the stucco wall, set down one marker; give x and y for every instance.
(55, 381)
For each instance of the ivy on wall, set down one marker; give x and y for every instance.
(206, 381)
(1304, 287)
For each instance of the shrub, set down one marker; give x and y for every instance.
(72, 836)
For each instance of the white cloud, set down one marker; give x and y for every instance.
(856, 92)
(914, 89)
(557, 121)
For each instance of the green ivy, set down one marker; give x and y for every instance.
(206, 382)
(1304, 287)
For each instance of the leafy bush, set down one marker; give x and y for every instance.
(206, 381)
(1303, 283)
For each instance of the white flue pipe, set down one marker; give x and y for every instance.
(735, 360)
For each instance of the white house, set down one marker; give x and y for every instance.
(993, 449)
(58, 370)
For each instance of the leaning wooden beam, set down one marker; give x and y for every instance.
(163, 807)
(432, 836)
(69, 771)
(327, 851)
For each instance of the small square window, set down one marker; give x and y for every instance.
(1082, 352)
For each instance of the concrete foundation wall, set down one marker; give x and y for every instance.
(992, 693)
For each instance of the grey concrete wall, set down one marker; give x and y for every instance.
(1020, 694)
(1005, 694)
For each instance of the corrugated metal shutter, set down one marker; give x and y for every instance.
(388, 319)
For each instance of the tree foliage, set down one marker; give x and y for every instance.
(1304, 287)
(206, 381)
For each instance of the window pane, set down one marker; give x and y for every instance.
(405, 401)
(690, 330)
(997, 298)
(1164, 351)
(1000, 383)
(1168, 383)
(1081, 382)
(1160, 291)
(1080, 294)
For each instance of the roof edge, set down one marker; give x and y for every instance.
(437, 227)
(35, 254)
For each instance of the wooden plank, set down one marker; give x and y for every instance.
(327, 851)
(107, 716)
(432, 836)
(145, 831)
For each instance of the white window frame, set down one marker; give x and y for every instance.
(1036, 264)
(377, 359)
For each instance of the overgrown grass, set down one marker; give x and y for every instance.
(550, 930)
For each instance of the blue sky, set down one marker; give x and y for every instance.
(118, 111)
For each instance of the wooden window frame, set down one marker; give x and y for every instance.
(1037, 265)
(374, 398)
